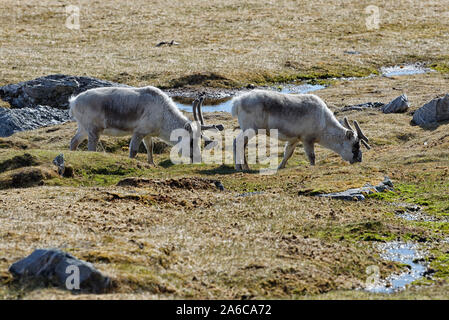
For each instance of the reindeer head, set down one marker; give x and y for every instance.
(196, 129)
(351, 150)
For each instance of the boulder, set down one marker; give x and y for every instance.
(15, 120)
(398, 105)
(432, 112)
(52, 90)
(55, 267)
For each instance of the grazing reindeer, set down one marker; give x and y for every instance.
(141, 112)
(297, 117)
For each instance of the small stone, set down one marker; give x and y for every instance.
(387, 182)
(398, 105)
(219, 185)
(352, 52)
(59, 162)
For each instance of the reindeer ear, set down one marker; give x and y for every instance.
(188, 127)
(349, 134)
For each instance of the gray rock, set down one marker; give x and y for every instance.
(52, 90)
(398, 105)
(352, 52)
(248, 194)
(432, 112)
(219, 185)
(59, 162)
(15, 120)
(358, 194)
(363, 106)
(54, 267)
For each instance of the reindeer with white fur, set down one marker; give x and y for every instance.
(297, 117)
(141, 112)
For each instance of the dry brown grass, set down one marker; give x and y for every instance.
(227, 42)
(160, 241)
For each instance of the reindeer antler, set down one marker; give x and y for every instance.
(360, 134)
(359, 131)
(199, 104)
(346, 124)
(194, 106)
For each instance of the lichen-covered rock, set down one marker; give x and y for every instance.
(432, 112)
(52, 90)
(398, 105)
(15, 120)
(359, 194)
(54, 267)
(363, 106)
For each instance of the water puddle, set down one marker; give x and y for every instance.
(225, 104)
(214, 105)
(402, 252)
(404, 70)
(412, 212)
(302, 88)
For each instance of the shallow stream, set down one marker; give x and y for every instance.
(225, 104)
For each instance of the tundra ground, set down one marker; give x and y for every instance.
(190, 240)
(221, 43)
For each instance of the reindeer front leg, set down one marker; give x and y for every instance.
(310, 151)
(239, 151)
(134, 144)
(288, 152)
(148, 142)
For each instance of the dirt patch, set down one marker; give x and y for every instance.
(208, 79)
(13, 144)
(150, 199)
(182, 183)
(25, 177)
(24, 160)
